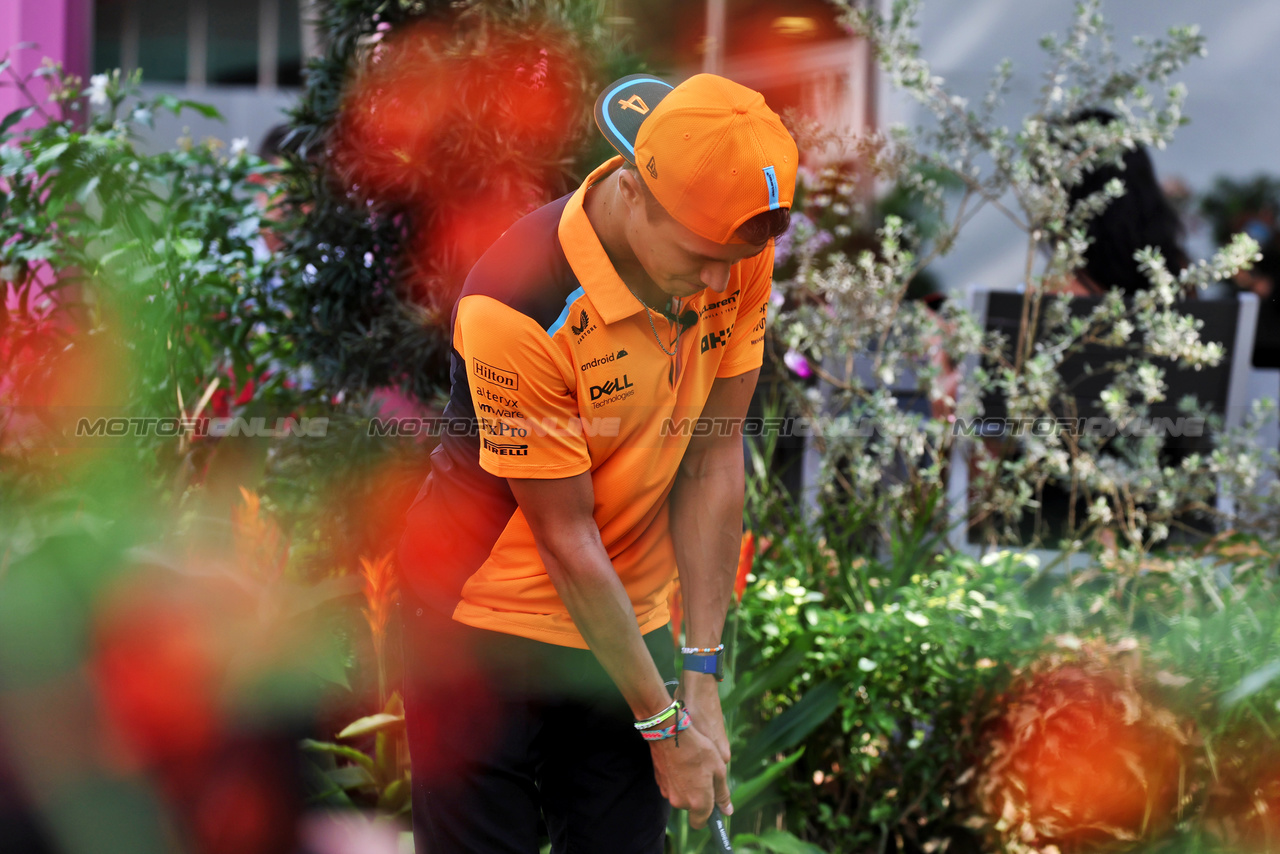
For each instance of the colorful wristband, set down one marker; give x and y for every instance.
(666, 714)
(701, 650)
(672, 731)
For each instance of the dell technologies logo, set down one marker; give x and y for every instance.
(613, 386)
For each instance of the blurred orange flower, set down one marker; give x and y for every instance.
(1077, 756)
(261, 549)
(746, 553)
(380, 588)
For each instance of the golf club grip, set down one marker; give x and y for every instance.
(719, 832)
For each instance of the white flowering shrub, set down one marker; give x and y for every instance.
(847, 318)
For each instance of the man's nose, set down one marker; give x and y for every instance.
(715, 276)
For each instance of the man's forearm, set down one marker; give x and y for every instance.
(706, 529)
(600, 608)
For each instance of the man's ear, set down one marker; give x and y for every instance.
(629, 187)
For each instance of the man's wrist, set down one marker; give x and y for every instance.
(707, 660)
(652, 704)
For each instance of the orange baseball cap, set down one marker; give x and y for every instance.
(710, 150)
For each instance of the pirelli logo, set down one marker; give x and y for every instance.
(496, 376)
(506, 450)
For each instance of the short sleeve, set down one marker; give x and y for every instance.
(526, 412)
(746, 344)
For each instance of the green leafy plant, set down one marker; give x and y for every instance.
(139, 285)
(870, 346)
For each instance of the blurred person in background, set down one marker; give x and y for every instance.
(1253, 207)
(1142, 217)
(541, 551)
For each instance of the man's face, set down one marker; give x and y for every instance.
(680, 262)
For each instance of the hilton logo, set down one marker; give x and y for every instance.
(496, 376)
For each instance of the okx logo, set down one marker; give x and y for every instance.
(712, 340)
(613, 386)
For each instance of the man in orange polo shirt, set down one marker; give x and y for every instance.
(587, 342)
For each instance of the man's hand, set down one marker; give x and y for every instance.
(700, 693)
(691, 775)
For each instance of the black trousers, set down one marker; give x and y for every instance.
(506, 734)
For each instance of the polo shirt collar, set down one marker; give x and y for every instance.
(587, 258)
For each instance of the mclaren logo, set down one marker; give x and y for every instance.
(710, 307)
(613, 386)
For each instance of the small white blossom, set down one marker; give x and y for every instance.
(98, 90)
(239, 146)
(1100, 511)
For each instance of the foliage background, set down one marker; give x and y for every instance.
(871, 666)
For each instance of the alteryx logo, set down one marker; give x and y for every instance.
(613, 386)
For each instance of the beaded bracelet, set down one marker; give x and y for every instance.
(666, 714)
(701, 650)
(672, 731)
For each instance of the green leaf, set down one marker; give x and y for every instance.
(322, 790)
(206, 110)
(51, 154)
(187, 247)
(780, 841)
(1251, 684)
(13, 118)
(351, 777)
(385, 757)
(38, 252)
(779, 673)
(394, 797)
(371, 724)
(793, 725)
(83, 194)
(745, 793)
(358, 756)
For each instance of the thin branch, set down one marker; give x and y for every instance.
(22, 87)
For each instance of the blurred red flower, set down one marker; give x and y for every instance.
(155, 669)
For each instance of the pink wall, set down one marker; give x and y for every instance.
(61, 28)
